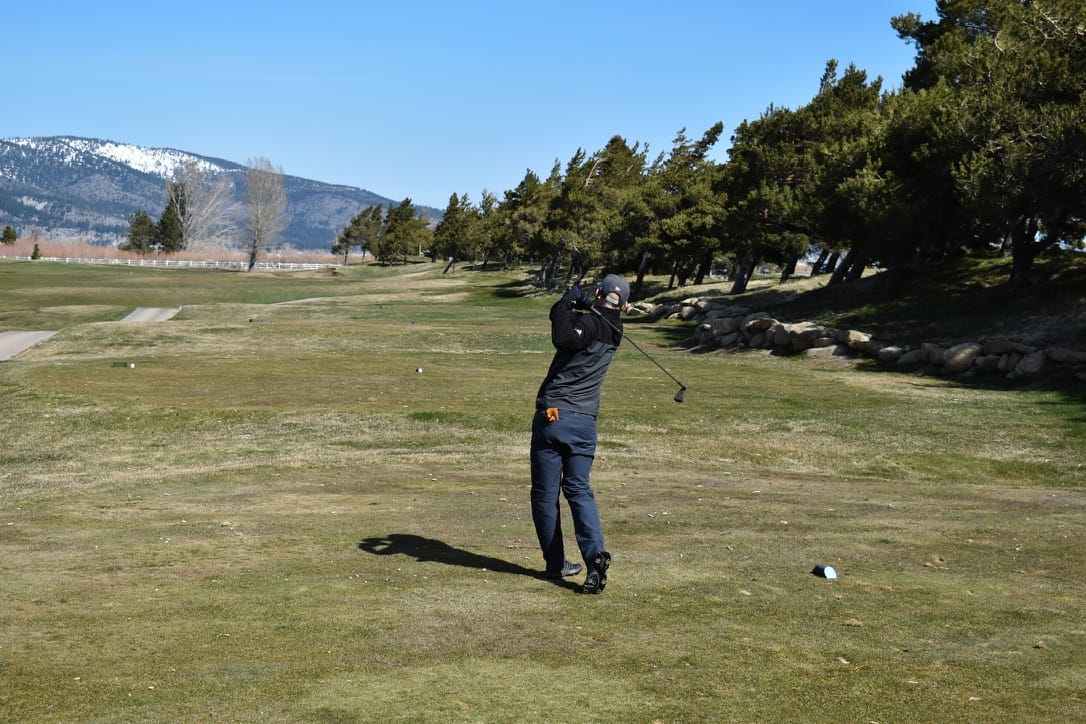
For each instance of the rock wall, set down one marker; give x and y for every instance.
(722, 325)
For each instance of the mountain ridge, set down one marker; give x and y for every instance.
(72, 186)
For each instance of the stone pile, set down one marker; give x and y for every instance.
(723, 325)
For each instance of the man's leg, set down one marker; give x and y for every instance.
(581, 440)
(546, 462)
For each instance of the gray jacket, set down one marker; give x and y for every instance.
(584, 346)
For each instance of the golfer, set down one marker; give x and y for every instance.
(564, 427)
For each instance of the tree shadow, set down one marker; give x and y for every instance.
(428, 550)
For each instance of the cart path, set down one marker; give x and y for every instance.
(151, 314)
(12, 343)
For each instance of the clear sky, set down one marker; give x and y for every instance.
(408, 98)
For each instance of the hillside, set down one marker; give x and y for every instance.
(959, 300)
(65, 187)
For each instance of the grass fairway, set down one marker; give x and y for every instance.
(274, 516)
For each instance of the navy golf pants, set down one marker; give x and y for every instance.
(562, 455)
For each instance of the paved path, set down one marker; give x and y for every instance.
(12, 343)
(151, 314)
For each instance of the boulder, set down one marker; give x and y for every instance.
(702, 334)
(1008, 362)
(890, 354)
(987, 363)
(853, 338)
(913, 357)
(935, 352)
(757, 322)
(871, 347)
(780, 336)
(726, 325)
(836, 349)
(960, 357)
(688, 312)
(727, 340)
(803, 335)
(1062, 356)
(1031, 365)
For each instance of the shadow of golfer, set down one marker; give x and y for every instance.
(426, 550)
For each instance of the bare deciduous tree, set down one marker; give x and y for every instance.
(266, 201)
(206, 204)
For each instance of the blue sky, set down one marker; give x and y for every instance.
(425, 99)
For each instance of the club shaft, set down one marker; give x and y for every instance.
(638, 347)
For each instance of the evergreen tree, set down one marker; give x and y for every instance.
(458, 235)
(1014, 72)
(170, 232)
(141, 233)
(404, 233)
(9, 235)
(688, 208)
(524, 212)
(364, 231)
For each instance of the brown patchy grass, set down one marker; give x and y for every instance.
(280, 519)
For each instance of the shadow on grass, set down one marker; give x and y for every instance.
(425, 550)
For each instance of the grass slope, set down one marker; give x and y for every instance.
(273, 516)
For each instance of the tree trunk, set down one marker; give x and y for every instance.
(744, 268)
(789, 268)
(704, 267)
(831, 264)
(856, 271)
(682, 269)
(842, 268)
(1023, 252)
(642, 270)
(550, 274)
(816, 268)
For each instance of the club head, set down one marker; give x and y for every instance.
(680, 395)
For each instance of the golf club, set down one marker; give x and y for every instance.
(681, 394)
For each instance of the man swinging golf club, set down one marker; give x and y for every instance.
(585, 332)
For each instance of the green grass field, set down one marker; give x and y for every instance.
(274, 517)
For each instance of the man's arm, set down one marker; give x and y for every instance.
(570, 328)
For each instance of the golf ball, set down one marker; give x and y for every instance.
(419, 370)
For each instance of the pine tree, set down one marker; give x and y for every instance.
(141, 233)
(9, 236)
(170, 233)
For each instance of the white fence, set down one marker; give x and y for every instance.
(179, 263)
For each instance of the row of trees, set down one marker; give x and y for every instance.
(390, 235)
(202, 212)
(983, 150)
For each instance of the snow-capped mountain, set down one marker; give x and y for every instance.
(64, 186)
(156, 161)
